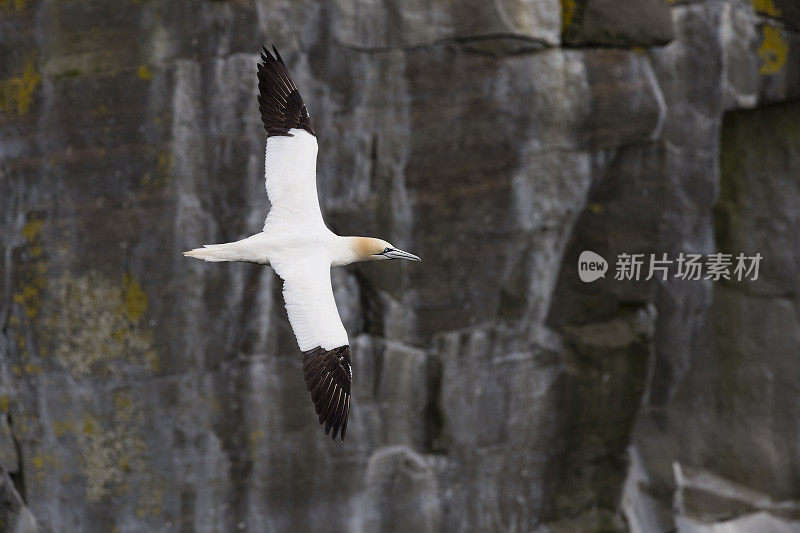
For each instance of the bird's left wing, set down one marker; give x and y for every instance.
(291, 156)
(321, 336)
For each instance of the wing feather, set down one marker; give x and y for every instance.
(321, 336)
(282, 108)
(290, 165)
(309, 300)
(331, 393)
(290, 170)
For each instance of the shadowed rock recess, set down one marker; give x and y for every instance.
(493, 390)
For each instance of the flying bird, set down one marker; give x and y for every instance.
(299, 246)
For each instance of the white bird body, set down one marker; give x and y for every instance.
(299, 246)
(273, 245)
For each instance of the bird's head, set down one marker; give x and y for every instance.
(370, 249)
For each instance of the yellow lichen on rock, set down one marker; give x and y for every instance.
(18, 5)
(144, 72)
(16, 93)
(134, 298)
(33, 369)
(766, 7)
(63, 427)
(255, 442)
(38, 460)
(34, 280)
(773, 51)
(112, 447)
(165, 162)
(151, 500)
(28, 297)
(32, 229)
(163, 171)
(568, 8)
(99, 322)
(42, 463)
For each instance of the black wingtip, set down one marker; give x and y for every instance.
(280, 104)
(274, 55)
(328, 377)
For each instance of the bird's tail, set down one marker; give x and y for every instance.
(217, 252)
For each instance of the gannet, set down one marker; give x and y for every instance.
(299, 246)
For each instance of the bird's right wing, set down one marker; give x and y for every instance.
(291, 156)
(321, 336)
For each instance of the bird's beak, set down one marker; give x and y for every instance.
(400, 254)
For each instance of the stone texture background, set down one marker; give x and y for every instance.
(494, 391)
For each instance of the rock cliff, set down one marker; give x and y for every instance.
(493, 390)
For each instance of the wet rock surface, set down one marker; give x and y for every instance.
(493, 390)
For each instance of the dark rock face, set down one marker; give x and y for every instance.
(617, 22)
(493, 390)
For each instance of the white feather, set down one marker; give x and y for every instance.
(297, 242)
(291, 178)
(309, 300)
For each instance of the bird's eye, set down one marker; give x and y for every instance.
(386, 250)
